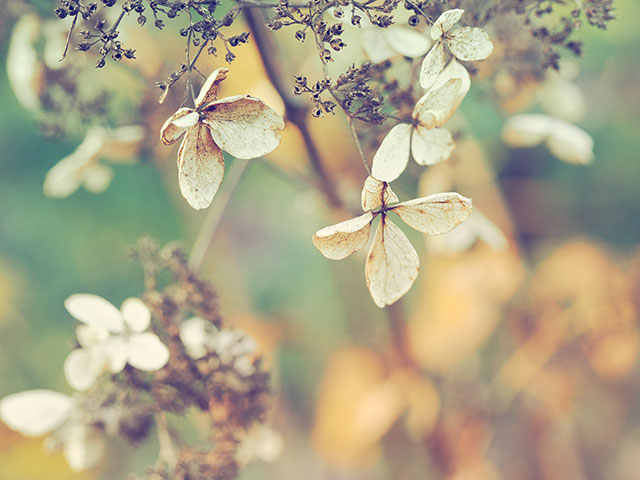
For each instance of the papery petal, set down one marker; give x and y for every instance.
(177, 124)
(392, 264)
(470, 43)
(209, 91)
(64, 178)
(570, 143)
(440, 116)
(123, 143)
(94, 310)
(83, 448)
(97, 177)
(393, 155)
(82, 367)
(526, 130)
(147, 352)
(432, 65)
(115, 352)
(375, 194)
(136, 314)
(437, 100)
(435, 214)
(375, 45)
(406, 42)
(431, 146)
(200, 167)
(463, 237)
(35, 412)
(342, 239)
(193, 335)
(244, 126)
(445, 21)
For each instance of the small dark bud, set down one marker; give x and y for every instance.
(317, 112)
(337, 29)
(212, 50)
(414, 20)
(139, 8)
(61, 12)
(117, 56)
(230, 57)
(100, 63)
(233, 41)
(300, 35)
(83, 47)
(301, 80)
(297, 90)
(73, 9)
(172, 13)
(229, 18)
(184, 32)
(130, 53)
(142, 20)
(274, 25)
(159, 24)
(100, 24)
(355, 20)
(93, 8)
(109, 3)
(338, 12)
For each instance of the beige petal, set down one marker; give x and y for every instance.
(122, 143)
(470, 43)
(393, 155)
(452, 70)
(375, 45)
(570, 144)
(244, 126)
(375, 194)
(97, 177)
(200, 167)
(430, 146)
(176, 125)
(392, 264)
(435, 214)
(342, 239)
(445, 21)
(432, 65)
(65, 176)
(209, 91)
(406, 42)
(435, 100)
(526, 130)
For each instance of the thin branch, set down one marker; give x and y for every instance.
(66, 43)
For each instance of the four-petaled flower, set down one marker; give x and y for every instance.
(392, 263)
(111, 338)
(243, 126)
(466, 44)
(423, 139)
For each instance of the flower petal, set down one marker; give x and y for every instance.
(375, 194)
(392, 264)
(453, 70)
(432, 65)
(435, 107)
(91, 335)
(115, 352)
(147, 352)
(209, 91)
(393, 155)
(570, 144)
(406, 42)
(470, 43)
(431, 146)
(123, 143)
(82, 367)
(64, 177)
(176, 125)
(35, 412)
(435, 214)
(244, 126)
(136, 314)
(375, 45)
(97, 177)
(193, 335)
(526, 130)
(342, 239)
(83, 449)
(445, 21)
(94, 310)
(200, 167)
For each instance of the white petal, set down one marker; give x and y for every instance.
(445, 21)
(435, 214)
(563, 100)
(432, 65)
(375, 45)
(341, 240)
(392, 264)
(451, 71)
(97, 177)
(177, 124)
(526, 130)
(243, 126)
(64, 178)
(136, 314)
(430, 146)
(23, 67)
(94, 310)
(193, 336)
(570, 143)
(147, 352)
(200, 167)
(406, 42)
(91, 335)
(375, 194)
(438, 101)
(115, 352)
(35, 412)
(82, 367)
(393, 155)
(209, 91)
(83, 449)
(470, 43)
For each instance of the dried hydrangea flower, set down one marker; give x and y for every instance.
(477, 228)
(392, 263)
(243, 126)
(83, 166)
(466, 44)
(423, 139)
(40, 412)
(567, 142)
(381, 44)
(111, 338)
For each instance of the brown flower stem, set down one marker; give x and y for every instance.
(204, 240)
(296, 110)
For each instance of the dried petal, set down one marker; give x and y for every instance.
(391, 158)
(526, 130)
(122, 143)
(64, 178)
(435, 214)
(406, 42)
(209, 91)
(470, 43)
(445, 21)
(375, 45)
(176, 125)
(244, 126)
(147, 352)
(435, 100)
(94, 310)
(375, 194)
(342, 239)
(35, 412)
(432, 65)
(570, 143)
(97, 177)
(392, 264)
(200, 167)
(452, 70)
(430, 146)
